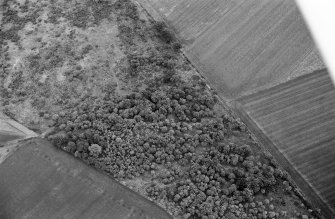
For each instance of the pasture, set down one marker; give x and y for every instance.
(242, 46)
(298, 117)
(40, 181)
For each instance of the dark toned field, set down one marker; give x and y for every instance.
(40, 181)
(5, 137)
(242, 46)
(298, 117)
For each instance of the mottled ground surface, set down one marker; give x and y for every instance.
(59, 53)
(56, 52)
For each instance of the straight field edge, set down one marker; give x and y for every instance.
(289, 83)
(236, 110)
(302, 187)
(43, 148)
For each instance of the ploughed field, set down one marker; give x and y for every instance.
(40, 181)
(111, 87)
(242, 46)
(299, 118)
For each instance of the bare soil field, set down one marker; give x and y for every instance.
(242, 46)
(49, 183)
(298, 117)
(110, 86)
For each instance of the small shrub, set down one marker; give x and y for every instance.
(95, 149)
(163, 32)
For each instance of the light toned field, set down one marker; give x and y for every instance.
(242, 46)
(11, 130)
(298, 117)
(44, 182)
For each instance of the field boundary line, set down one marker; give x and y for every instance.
(305, 190)
(156, 16)
(231, 107)
(287, 83)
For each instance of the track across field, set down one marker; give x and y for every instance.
(242, 46)
(40, 181)
(298, 117)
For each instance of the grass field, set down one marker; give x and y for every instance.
(39, 181)
(299, 118)
(242, 46)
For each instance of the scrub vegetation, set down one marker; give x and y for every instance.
(153, 124)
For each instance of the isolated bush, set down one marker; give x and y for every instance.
(163, 32)
(176, 46)
(95, 149)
